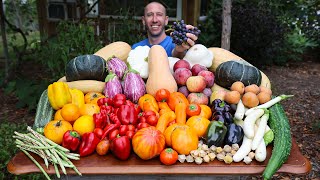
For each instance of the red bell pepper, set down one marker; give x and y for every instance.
(127, 115)
(121, 147)
(100, 119)
(118, 100)
(136, 106)
(88, 144)
(105, 101)
(71, 140)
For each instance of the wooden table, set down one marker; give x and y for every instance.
(101, 165)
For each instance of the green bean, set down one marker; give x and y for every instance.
(37, 164)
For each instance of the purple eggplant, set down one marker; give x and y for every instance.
(112, 86)
(117, 66)
(134, 86)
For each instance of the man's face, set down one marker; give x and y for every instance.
(155, 19)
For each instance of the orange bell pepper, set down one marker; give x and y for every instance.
(148, 98)
(181, 115)
(175, 98)
(164, 120)
(148, 106)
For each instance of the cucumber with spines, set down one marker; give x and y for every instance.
(282, 144)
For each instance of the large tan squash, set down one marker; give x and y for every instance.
(118, 49)
(85, 85)
(159, 71)
(221, 55)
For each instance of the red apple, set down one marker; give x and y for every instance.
(196, 83)
(181, 64)
(197, 68)
(181, 75)
(208, 76)
(198, 98)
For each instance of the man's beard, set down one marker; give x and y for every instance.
(154, 35)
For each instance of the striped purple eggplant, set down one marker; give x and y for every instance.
(134, 86)
(117, 66)
(112, 86)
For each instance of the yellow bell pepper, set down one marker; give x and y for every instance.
(59, 95)
(151, 102)
(77, 97)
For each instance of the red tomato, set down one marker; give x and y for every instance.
(193, 110)
(162, 95)
(152, 120)
(113, 134)
(130, 134)
(142, 125)
(131, 127)
(142, 119)
(149, 113)
(168, 156)
(98, 132)
(123, 129)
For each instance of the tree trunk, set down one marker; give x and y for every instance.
(226, 24)
(5, 44)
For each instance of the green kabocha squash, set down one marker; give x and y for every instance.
(237, 70)
(86, 67)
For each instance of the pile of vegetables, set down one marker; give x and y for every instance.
(194, 110)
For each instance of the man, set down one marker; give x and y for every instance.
(155, 20)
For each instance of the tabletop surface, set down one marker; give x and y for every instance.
(99, 165)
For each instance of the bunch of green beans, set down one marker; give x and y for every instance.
(48, 150)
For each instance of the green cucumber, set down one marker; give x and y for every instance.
(44, 111)
(279, 123)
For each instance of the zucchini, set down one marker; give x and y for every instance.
(279, 123)
(44, 111)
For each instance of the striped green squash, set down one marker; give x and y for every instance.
(44, 111)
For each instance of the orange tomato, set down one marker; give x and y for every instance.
(89, 109)
(168, 156)
(57, 115)
(70, 112)
(93, 97)
(162, 95)
(175, 98)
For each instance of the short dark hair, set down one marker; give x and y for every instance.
(159, 2)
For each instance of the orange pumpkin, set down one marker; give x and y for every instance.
(92, 97)
(54, 130)
(175, 98)
(148, 143)
(205, 111)
(198, 124)
(181, 138)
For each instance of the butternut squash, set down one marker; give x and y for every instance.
(118, 49)
(159, 71)
(85, 85)
(221, 55)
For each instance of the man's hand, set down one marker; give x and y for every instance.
(180, 50)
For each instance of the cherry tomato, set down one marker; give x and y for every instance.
(168, 156)
(162, 95)
(149, 113)
(152, 120)
(130, 134)
(113, 134)
(142, 125)
(193, 110)
(142, 119)
(131, 127)
(123, 129)
(98, 132)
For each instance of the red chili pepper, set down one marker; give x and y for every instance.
(108, 129)
(88, 144)
(118, 100)
(104, 101)
(114, 119)
(121, 147)
(100, 119)
(107, 109)
(127, 115)
(71, 140)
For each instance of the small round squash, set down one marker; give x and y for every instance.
(86, 67)
(55, 130)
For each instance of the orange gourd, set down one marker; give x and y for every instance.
(55, 130)
(198, 124)
(160, 76)
(181, 138)
(92, 97)
(148, 143)
(205, 111)
(175, 98)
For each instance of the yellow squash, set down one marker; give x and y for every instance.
(59, 95)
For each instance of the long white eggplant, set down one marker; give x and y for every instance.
(239, 114)
(249, 122)
(258, 137)
(261, 152)
(244, 149)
